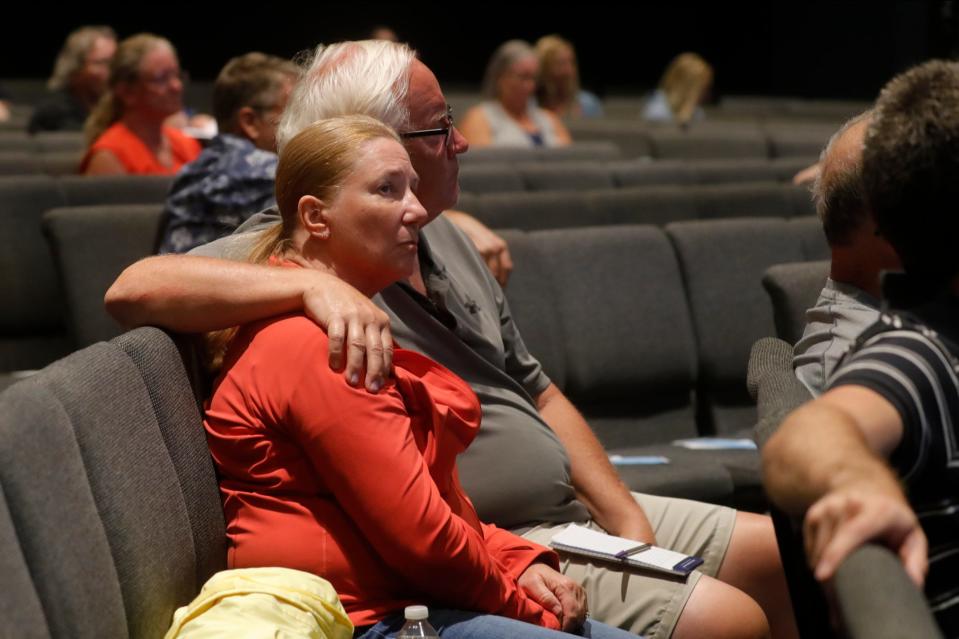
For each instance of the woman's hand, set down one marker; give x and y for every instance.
(557, 593)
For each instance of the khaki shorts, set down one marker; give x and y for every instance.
(639, 601)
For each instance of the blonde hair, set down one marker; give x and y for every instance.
(125, 69)
(684, 82)
(549, 93)
(73, 55)
(314, 162)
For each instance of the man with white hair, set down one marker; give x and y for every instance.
(536, 464)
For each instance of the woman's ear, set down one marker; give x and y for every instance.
(313, 216)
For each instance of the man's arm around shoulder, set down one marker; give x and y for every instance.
(190, 294)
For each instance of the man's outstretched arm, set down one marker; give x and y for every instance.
(827, 461)
(190, 294)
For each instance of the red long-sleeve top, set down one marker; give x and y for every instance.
(360, 489)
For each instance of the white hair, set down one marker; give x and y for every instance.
(365, 77)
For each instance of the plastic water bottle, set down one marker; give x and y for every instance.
(417, 624)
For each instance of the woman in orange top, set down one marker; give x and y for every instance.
(362, 489)
(125, 130)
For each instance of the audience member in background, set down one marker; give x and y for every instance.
(685, 85)
(509, 116)
(849, 302)
(4, 104)
(536, 461)
(80, 76)
(874, 457)
(383, 32)
(233, 177)
(558, 89)
(286, 432)
(126, 131)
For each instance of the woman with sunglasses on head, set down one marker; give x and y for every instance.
(126, 131)
(362, 488)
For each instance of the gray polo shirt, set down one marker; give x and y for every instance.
(841, 313)
(516, 471)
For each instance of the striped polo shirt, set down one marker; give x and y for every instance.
(912, 360)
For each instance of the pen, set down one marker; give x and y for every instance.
(623, 554)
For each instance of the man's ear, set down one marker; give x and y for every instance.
(248, 122)
(314, 216)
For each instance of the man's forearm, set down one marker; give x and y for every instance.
(820, 449)
(595, 480)
(195, 294)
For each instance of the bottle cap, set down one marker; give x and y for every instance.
(416, 613)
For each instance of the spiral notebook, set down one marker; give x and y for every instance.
(579, 540)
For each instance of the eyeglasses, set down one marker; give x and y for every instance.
(445, 130)
(162, 79)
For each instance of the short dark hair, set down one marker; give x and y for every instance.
(252, 80)
(840, 195)
(911, 169)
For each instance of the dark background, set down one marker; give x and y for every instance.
(806, 49)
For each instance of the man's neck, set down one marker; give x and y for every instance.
(416, 279)
(846, 269)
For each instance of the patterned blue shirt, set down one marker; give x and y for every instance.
(211, 196)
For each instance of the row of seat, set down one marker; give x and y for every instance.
(512, 175)
(33, 326)
(583, 206)
(41, 142)
(708, 139)
(617, 313)
(39, 162)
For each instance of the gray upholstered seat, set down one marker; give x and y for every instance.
(91, 247)
(700, 143)
(20, 163)
(33, 329)
(644, 205)
(20, 608)
(723, 262)
(110, 489)
(793, 288)
(565, 176)
(603, 310)
(490, 178)
(32, 310)
(531, 211)
(628, 173)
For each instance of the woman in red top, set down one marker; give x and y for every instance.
(362, 489)
(125, 130)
